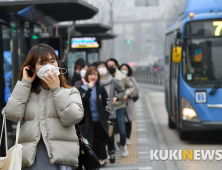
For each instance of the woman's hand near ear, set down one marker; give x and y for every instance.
(26, 74)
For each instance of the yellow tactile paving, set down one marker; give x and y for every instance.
(133, 148)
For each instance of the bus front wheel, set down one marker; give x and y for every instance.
(185, 135)
(171, 124)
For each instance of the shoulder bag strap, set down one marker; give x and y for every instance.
(17, 132)
(4, 127)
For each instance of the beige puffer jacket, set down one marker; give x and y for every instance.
(52, 114)
(127, 85)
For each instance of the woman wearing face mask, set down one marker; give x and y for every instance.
(115, 92)
(66, 74)
(130, 108)
(50, 109)
(81, 82)
(97, 111)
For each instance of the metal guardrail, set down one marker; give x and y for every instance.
(149, 77)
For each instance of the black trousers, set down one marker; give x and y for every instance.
(128, 129)
(99, 137)
(110, 140)
(110, 143)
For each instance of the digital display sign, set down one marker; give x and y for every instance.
(84, 42)
(204, 28)
(7, 74)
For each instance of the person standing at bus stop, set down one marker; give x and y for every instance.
(76, 75)
(121, 105)
(81, 82)
(96, 113)
(115, 92)
(130, 108)
(50, 109)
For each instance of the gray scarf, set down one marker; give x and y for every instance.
(106, 83)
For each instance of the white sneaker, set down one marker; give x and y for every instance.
(124, 151)
(128, 141)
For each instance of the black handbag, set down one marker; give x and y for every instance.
(135, 98)
(87, 157)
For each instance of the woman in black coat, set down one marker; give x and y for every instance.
(97, 110)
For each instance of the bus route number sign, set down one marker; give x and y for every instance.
(201, 97)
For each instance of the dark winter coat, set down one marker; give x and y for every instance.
(76, 77)
(103, 109)
(78, 84)
(115, 90)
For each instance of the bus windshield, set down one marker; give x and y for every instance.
(202, 61)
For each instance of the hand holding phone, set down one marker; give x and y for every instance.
(26, 74)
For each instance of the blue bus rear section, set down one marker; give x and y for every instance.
(177, 87)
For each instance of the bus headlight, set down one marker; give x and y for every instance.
(188, 113)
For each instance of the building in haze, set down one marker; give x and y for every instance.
(140, 26)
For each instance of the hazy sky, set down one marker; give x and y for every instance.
(143, 22)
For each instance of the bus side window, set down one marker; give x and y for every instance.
(168, 53)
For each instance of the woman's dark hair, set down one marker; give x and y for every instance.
(63, 65)
(91, 70)
(130, 72)
(95, 63)
(79, 62)
(41, 51)
(114, 60)
(83, 65)
(102, 62)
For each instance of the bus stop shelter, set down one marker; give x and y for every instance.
(21, 25)
(86, 42)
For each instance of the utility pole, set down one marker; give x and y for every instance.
(112, 51)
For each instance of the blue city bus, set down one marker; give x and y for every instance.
(193, 68)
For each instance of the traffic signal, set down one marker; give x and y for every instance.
(128, 41)
(34, 37)
(130, 47)
(13, 30)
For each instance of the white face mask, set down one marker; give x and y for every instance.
(124, 72)
(82, 73)
(102, 71)
(48, 67)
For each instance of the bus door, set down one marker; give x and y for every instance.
(174, 85)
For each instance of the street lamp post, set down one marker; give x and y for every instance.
(112, 51)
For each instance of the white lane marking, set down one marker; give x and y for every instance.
(141, 124)
(144, 152)
(144, 139)
(141, 130)
(140, 120)
(144, 157)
